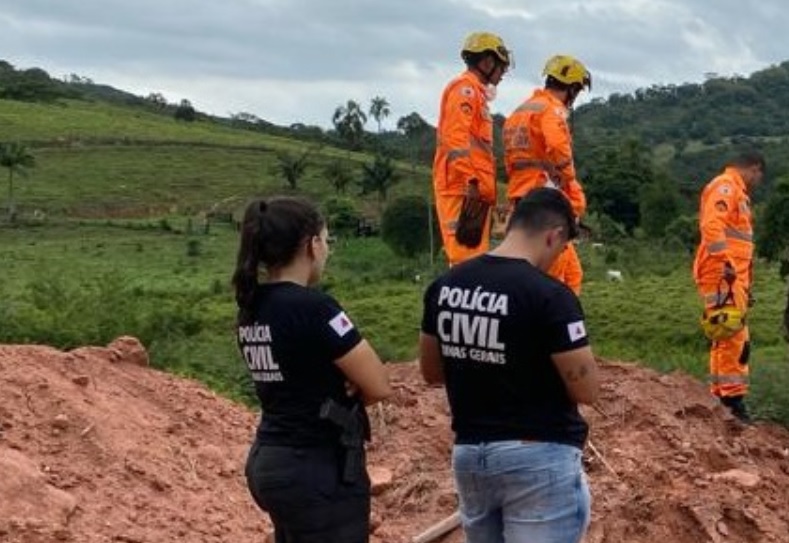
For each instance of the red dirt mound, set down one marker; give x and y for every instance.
(96, 447)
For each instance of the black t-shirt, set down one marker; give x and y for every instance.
(290, 349)
(497, 321)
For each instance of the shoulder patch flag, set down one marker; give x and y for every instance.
(341, 324)
(468, 92)
(576, 330)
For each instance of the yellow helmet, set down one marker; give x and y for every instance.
(479, 42)
(722, 322)
(568, 70)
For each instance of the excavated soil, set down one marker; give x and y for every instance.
(97, 447)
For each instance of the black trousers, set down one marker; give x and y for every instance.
(302, 491)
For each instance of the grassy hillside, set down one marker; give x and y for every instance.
(95, 159)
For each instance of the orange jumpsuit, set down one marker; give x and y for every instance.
(464, 151)
(567, 269)
(538, 152)
(726, 236)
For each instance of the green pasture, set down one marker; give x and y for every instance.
(78, 122)
(82, 283)
(100, 160)
(122, 248)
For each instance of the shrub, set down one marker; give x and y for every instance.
(684, 228)
(405, 226)
(342, 215)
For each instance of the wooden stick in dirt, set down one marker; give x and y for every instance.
(438, 529)
(602, 459)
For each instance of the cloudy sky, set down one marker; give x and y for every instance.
(292, 61)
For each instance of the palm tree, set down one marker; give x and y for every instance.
(16, 157)
(379, 176)
(338, 175)
(292, 167)
(379, 109)
(349, 122)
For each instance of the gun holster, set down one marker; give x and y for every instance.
(354, 429)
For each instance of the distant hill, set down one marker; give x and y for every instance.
(693, 127)
(716, 111)
(664, 140)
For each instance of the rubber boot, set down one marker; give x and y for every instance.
(736, 405)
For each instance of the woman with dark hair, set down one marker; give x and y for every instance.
(313, 374)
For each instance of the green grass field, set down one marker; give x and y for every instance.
(73, 284)
(99, 160)
(121, 250)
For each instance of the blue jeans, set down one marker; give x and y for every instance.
(521, 492)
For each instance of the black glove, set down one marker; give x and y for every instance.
(473, 214)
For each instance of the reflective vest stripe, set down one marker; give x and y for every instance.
(728, 379)
(530, 106)
(455, 154)
(738, 234)
(716, 247)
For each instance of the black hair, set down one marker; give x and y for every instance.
(271, 233)
(748, 158)
(542, 209)
(473, 59)
(572, 89)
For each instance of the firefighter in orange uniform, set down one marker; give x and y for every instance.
(464, 161)
(724, 260)
(538, 149)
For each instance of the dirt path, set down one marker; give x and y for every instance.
(96, 447)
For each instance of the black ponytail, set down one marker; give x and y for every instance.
(271, 234)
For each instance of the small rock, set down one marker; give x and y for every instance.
(381, 479)
(738, 476)
(130, 350)
(81, 380)
(60, 422)
(722, 528)
(160, 485)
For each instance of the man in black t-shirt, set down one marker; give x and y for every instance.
(510, 344)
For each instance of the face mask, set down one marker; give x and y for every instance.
(490, 92)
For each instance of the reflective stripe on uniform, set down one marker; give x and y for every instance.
(716, 247)
(527, 164)
(454, 154)
(738, 234)
(530, 106)
(716, 298)
(728, 379)
(481, 144)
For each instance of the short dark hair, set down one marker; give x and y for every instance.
(543, 209)
(472, 59)
(748, 158)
